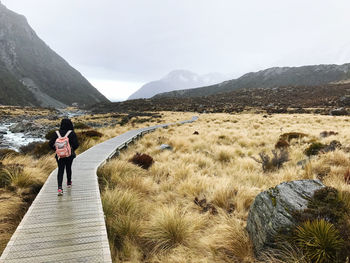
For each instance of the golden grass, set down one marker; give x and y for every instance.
(24, 174)
(215, 165)
(170, 227)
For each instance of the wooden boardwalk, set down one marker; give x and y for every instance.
(70, 228)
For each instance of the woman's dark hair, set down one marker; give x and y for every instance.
(66, 124)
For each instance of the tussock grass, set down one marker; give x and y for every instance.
(229, 241)
(170, 227)
(21, 177)
(215, 166)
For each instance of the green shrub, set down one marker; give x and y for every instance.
(326, 203)
(81, 126)
(124, 120)
(92, 134)
(28, 149)
(279, 157)
(319, 240)
(143, 160)
(42, 149)
(314, 148)
(86, 135)
(36, 149)
(50, 135)
(282, 144)
(334, 207)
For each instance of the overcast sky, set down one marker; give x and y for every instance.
(120, 44)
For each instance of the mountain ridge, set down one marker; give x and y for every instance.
(311, 75)
(34, 74)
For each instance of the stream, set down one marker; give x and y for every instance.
(13, 141)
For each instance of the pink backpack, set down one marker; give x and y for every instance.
(62, 145)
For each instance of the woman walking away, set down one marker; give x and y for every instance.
(64, 142)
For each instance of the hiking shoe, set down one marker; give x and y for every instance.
(69, 185)
(60, 192)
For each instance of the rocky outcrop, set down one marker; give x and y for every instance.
(272, 211)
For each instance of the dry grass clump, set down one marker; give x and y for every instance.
(170, 227)
(210, 180)
(230, 241)
(123, 211)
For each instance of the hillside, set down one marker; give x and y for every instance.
(175, 80)
(282, 99)
(33, 74)
(273, 77)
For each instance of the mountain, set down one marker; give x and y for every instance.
(325, 99)
(33, 74)
(175, 80)
(273, 77)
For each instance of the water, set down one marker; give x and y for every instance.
(14, 141)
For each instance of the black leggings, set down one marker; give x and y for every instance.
(64, 163)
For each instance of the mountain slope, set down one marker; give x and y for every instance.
(175, 80)
(35, 74)
(271, 78)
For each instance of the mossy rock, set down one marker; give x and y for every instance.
(273, 211)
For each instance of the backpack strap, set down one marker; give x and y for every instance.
(58, 134)
(67, 134)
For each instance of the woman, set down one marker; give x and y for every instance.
(66, 162)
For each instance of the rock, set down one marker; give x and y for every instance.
(18, 127)
(303, 163)
(339, 112)
(30, 129)
(196, 133)
(165, 147)
(345, 100)
(332, 146)
(272, 211)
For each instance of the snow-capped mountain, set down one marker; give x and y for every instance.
(178, 80)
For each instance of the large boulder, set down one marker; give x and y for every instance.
(30, 128)
(272, 211)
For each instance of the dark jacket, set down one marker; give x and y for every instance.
(66, 125)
